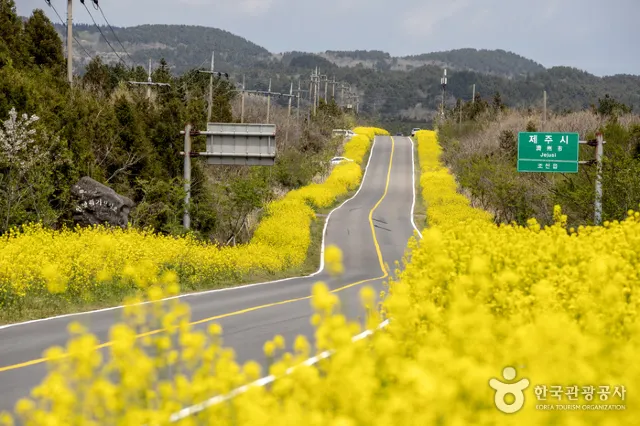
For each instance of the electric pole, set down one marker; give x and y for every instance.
(473, 97)
(267, 93)
(443, 82)
(269, 102)
(298, 101)
(69, 41)
(290, 98)
(342, 87)
(186, 219)
(314, 80)
(544, 117)
(326, 83)
(210, 88)
(212, 73)
(242, 102)
(298, 95)
(149, 83)
(333, 88)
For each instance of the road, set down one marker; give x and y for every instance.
(253, 314)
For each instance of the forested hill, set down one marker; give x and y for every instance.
(391, 87)
(183, 46)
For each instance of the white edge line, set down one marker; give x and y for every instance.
(413, 182)
(195, 409)
(239, 287)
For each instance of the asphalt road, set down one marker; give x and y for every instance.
(253, 314)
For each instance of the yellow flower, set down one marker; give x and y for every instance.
(333, 260)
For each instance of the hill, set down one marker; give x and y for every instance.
(494, 62)
(392, 88)
(183, 46)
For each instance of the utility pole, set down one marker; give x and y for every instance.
(210, 89)
(211, 74)
(342, 87)
(242, 102)
(333, 88)
(290, 98)
(326, 83)
(186, 220)
(299, 91)
(286, 133)
(598, 200)
(267, 93)
(598, 144)
(269, 102)
(443, 82)
(544, 110)
(473, 97)
(314, 79)
(149, 83)
(69, 41)
(298, 100)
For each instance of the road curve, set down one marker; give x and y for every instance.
(252, 314)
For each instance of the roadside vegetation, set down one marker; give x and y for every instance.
(481, 150)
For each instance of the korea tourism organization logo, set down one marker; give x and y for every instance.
(503, 389)
(510, 395)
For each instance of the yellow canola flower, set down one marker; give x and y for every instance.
(82, 264)
(333, 260)
(559, 306)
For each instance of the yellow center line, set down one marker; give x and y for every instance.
(255, 308)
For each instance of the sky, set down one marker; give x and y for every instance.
(593, 35)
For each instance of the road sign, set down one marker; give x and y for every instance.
(548, 152)
(245, 144)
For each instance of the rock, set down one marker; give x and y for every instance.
(97, 204)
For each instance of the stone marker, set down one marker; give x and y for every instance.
(97, 204)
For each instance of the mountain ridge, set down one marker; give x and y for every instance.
(389, 87)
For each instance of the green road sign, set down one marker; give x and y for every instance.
(548, 152)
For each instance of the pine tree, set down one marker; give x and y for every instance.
(44, 46)
(12, 47)
(163, 73)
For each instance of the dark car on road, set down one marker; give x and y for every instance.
(399, 134)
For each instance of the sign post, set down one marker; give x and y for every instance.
(244, 144)
(558, 152)
(548, 152)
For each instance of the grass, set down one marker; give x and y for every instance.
(103, 296)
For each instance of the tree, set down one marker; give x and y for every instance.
(610, 107)
(163, 73)
(12, 47)
(25, 168)
(497, 102)
(44, 47)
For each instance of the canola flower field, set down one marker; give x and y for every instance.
(558, 305)
(91, 264)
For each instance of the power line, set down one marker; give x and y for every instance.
(65, 25)
(114, 33)
(105, 38)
